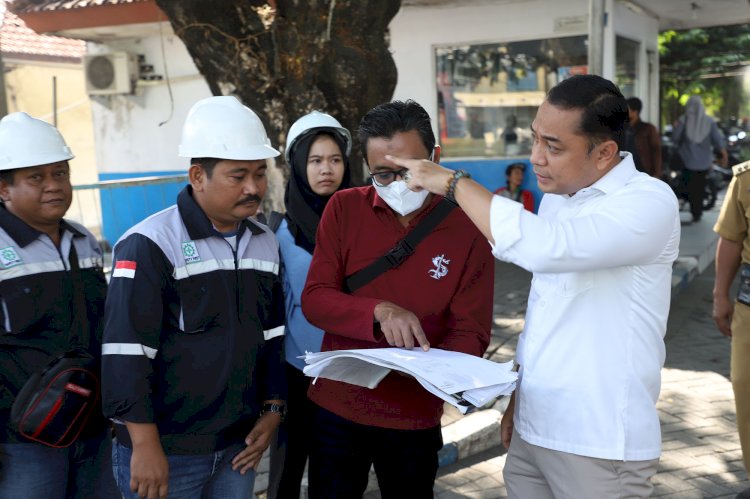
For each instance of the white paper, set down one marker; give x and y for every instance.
(455, 377)
(349, 370)
(481, 396)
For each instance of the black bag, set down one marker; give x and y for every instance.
(403, 249)
(55, 403)
(273, 221)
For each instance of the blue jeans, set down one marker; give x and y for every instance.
(35, 471)
(202, 476)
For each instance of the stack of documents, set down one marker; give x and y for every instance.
(460, 379)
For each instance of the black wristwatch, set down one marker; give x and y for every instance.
(279, 409)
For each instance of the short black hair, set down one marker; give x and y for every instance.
(635, 104)
(207, 164)
(390, 118)
(515, 166)
(8, 176)
(605, 111)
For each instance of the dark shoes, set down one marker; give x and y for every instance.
(745, 494)
(697, 218)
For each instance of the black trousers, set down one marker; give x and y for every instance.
(695, 186)
(291, 445)
(405, 461)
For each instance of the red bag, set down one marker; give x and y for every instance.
(54, 404)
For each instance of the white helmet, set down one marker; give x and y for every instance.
(221, 127)
(310, 122)
(27, 141)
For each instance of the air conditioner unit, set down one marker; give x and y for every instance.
(112, 73)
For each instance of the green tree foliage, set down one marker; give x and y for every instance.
(710, 62)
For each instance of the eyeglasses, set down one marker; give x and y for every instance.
(384, 178)
(381, 179)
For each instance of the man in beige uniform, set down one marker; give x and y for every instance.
(733, 316)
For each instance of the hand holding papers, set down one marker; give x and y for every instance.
(460, 379)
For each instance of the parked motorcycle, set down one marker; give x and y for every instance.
(738, 141)
(676, 180)
(721, 176)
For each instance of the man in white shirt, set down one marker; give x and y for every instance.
(583, 422)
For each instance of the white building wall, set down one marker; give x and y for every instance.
(641, 27)
(608, 71)
(127, 128)
(415, 31)
(129, 139)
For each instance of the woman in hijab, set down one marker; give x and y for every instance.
(317, 153)
(697, 136)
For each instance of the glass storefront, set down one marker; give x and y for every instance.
(626, 68)
(488, 94)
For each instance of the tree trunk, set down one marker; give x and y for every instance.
(285, 58)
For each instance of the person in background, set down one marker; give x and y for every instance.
(317, 152)
(42, 258)
(193, 371)
(732, 316)
(643, 141)
(697, 137)
(439, 296)
(583, 421)
(512, 190)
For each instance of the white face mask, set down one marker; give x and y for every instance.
(399, 197)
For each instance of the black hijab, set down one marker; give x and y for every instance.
(303, 206)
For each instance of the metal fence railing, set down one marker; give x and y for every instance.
(111, 207)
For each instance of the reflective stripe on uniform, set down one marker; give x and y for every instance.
(128, 349)
(273, 333)
(207, 266)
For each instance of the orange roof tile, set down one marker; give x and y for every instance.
(23, 6)
(19, 41)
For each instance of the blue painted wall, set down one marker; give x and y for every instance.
(491, 174)
(123, 207)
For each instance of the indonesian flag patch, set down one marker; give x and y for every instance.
(124, 268)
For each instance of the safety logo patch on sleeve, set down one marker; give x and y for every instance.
(124, 268)
(9, 257)
(190, 252)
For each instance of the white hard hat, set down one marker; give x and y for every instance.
(27, 141)
(221, 127)
(309, 123)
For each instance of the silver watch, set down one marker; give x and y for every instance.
(279, 409)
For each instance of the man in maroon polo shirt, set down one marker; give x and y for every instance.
(440, 296)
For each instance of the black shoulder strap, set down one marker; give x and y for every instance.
(275, 220)
(403, 249)
(79, 330)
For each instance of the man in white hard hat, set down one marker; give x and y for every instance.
(43, 311)
(193, 373)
